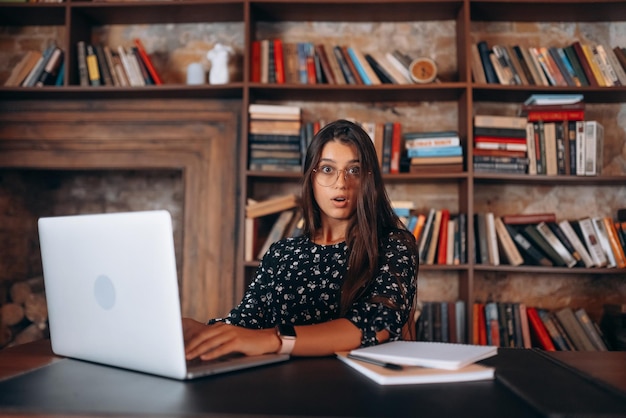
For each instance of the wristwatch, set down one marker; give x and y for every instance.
(287, 335)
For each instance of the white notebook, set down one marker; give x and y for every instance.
(427, 354)
(413, 375)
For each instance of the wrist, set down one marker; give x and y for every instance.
(287, 335)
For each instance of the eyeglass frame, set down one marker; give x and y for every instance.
(345, 174)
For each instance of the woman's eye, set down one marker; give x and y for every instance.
(326, 169)
(354, 171)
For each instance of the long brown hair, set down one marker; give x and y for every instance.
(374, 217)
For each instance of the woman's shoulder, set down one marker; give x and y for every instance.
(399, 240)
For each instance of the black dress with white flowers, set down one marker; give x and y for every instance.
(299, 282)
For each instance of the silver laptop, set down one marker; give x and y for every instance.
(112, 294)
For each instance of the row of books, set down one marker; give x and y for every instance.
(276, 61)
(101, 65)
(441, 236)
(575, 65)
(540, 239)
(38, 69)
(511, 324)
(546, 139)
(441, 321)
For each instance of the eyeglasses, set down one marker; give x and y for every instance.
(327, 175)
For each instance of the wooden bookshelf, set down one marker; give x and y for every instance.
(457, 94)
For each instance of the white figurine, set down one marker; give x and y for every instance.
(219, 56)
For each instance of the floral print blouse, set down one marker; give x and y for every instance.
(299, 282)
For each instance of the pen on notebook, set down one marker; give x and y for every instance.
(384, 364)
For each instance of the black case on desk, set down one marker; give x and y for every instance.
(554, 389)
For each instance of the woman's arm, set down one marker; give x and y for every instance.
(212, 341)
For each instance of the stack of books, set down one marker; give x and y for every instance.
(276, 139)
(434, 151)
(512, 324)
(540, 239)
(441, 236)
(500, 144)
(578, 64)
(36, 69)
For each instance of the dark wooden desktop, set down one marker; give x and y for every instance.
(301, 387)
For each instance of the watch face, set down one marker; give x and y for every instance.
(287, 330)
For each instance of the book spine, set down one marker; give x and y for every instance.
(145, 58)
(592, 242)
(343, 64)
(539, 329)
(485, 52)
(92, 67)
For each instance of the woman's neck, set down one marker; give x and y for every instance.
(329, 236)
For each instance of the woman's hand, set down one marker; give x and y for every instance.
(212, 341)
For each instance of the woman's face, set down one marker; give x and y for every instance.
(336, 181)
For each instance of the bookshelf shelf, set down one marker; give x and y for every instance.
(457, 93)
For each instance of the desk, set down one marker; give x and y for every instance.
(305, 387)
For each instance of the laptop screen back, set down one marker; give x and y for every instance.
(112, 290)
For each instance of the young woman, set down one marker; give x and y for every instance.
(348, 281)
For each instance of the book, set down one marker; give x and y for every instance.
(578, 49)
(392, 71)
(537, 239)
(574, 329)
(484, 52)
(416, 374)
(343, 65)
(556, 244)
(614, 242)
(492, 324)
(574, 61)
(23, 68)
(507, 244)
(590, 328)
(564, 238)
(497, 121)
(51, 69)
(594, 145)
(145, 58)
(560, 343)
(538, 330)
(528, 218)
(603, 238)
(578, 245)
(367, 74)
(591, 240)
(396, 148)
(426, 234)
(38, 68)
(492, 239)
(271, 205)
(478, 71)
(93, 68)
(329, 76)
(427, 354)
(277, 232)
(529, 252)
(434, 238)
(442, 245)
(525, 328)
